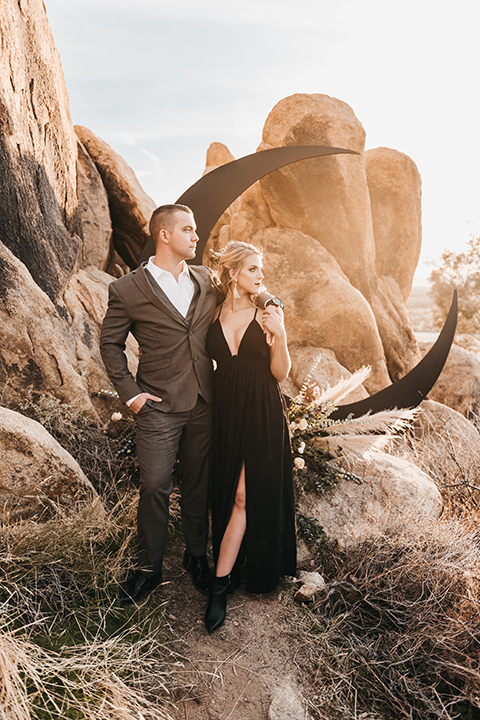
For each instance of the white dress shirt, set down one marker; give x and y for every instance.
(179, 293)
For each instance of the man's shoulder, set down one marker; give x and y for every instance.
(126, 280)
(208, 275)
(202, 270)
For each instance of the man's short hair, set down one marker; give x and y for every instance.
(162, 218)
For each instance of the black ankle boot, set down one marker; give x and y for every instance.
(217, 604)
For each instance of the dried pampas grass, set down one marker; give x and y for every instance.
(384, 422)
(333, 395)
(353, 447)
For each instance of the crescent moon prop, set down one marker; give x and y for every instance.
(210, 196)
(409, 391)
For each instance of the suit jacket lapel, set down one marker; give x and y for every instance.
(156, 296)
(203, 291)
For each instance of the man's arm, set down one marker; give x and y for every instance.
(115, 329)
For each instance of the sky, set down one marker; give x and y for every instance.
(160, 81)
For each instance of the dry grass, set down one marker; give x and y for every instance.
(66, 649)
(397, 635)
(447, 448)
(99, 681)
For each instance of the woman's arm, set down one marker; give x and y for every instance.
(272, 321)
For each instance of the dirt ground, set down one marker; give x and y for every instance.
(234, 673)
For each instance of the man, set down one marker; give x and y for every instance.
(168, 307)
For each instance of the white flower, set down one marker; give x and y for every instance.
(299, 463)
(292, 427)
(316, 392)
(303, 424)
(116, 416)
(301, 448)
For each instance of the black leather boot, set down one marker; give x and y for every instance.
(217, 603)
(198, 568)
(137, 585)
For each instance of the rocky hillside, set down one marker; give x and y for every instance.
(341, 234)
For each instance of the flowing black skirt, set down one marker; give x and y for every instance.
(250, 427)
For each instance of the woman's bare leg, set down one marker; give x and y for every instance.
(235, 531)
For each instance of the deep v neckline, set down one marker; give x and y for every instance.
(242, 338)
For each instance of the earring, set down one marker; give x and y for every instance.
(236, 294)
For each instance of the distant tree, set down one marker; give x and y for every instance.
(459, 271)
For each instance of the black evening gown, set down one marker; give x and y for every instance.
(250, 426)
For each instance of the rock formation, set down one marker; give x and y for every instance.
(55, 226)
(323, 308)
(130, 206)
(36, 471)
(392, 492)
(327, 205)
(459, 383)
(38, 150)
(394, 187)
(94, 214)
(74, 209)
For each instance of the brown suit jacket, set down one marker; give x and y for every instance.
(174, 363)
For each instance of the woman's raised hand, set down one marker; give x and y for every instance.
(272, 323)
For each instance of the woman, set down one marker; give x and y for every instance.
(253, 512)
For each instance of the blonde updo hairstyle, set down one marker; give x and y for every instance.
(233, 257)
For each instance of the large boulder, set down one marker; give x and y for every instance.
(459, 383)
(38, 150)
(327, 197)
(328, 200)
(53, 348)
(130, 206)
(395, 189)
(94, 214)
(36, 472)
(323, 309)
(392, 492)
(38, 348)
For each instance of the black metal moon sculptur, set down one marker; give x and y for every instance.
(210, 196)
(414, 387)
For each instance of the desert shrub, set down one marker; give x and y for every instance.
(458, 271)
(397, 634)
